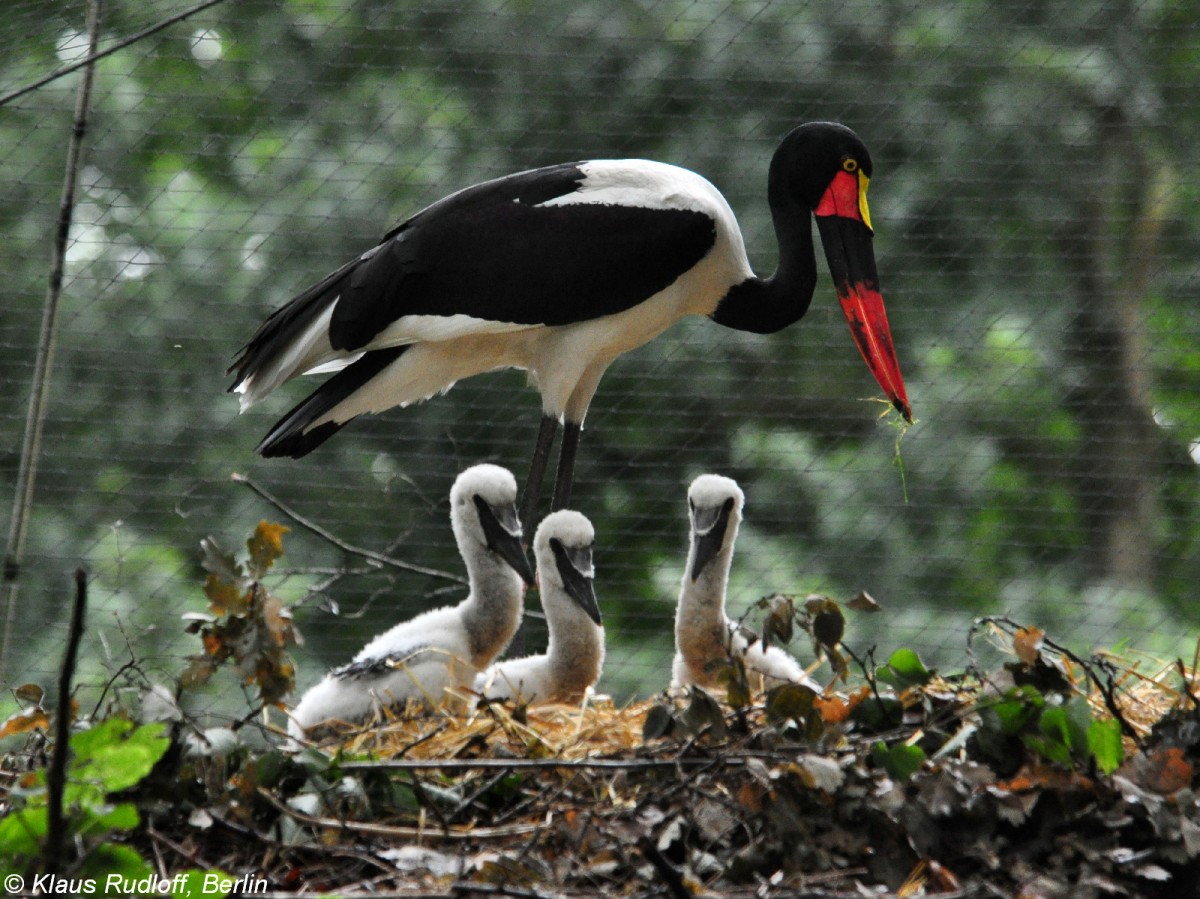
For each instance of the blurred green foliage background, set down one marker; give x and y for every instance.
(1038, 235)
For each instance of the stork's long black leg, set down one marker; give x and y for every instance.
(537, 473)
(566, 466)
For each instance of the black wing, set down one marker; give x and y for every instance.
(492, 253)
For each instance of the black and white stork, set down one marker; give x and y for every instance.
(558, 271)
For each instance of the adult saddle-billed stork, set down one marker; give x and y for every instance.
(558, 271)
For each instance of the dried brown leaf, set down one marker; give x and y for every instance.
(226, 597)
(1166, 771)
(777, 626)
(30, 693)
(818, 773)
(833, 709)
(864, 602)
(265, 546)
(827, 623)
(1027, 644)
(25, 721)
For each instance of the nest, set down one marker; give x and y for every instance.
(594, 728)
(686, 796)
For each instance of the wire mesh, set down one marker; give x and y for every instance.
(1037, 239)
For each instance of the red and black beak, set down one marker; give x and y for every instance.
(844, 223)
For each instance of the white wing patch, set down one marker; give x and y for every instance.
(644, 183)
(435, 328)
(334, 364)
(309, 348)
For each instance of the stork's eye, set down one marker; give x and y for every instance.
(850, 164)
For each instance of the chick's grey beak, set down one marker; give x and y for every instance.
(577, 572)
(502, 530)
(708, 534)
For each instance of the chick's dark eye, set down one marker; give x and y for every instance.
(850, 164)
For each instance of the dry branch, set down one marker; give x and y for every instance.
(56, 774)
(365, 828)
(313, 527)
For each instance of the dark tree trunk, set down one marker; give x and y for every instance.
(1108, 246)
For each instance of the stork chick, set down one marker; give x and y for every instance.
(443, 648)
(703, 632)
(575, 651)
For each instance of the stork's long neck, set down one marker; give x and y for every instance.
(702, 605)
(766, 305)
(492, 611)
(575, 653)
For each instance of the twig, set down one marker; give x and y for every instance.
(463, 888)
(1107, 690)
(427, 801)
(395, 831)
(332, 851)
(456, 765)
(131, 665)
(341, 544)
(872, 679)
(56, 774)
(1183, 678)
(183, 852)
(43, 365)
(436, 732)
(93, 56)
(465, 804)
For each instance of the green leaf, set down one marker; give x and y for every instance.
(1013, 714)
(1054, 726)
(900, 761)
(1064, 731)
(203, 883)
(105, 819)
(1079, 721)
(1053, 738)
(403, 797)
(114, 757)
(877, 714)
(1104, 743)
(271, 767)
(1048, 748)
(904, 668)
(21, 833)
(314, 762)
(86, 743)
(111, 858)
(1019, 711)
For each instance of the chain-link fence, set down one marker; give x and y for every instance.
(1034, 201)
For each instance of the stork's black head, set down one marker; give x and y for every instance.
(811, 155)
(823, 169)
